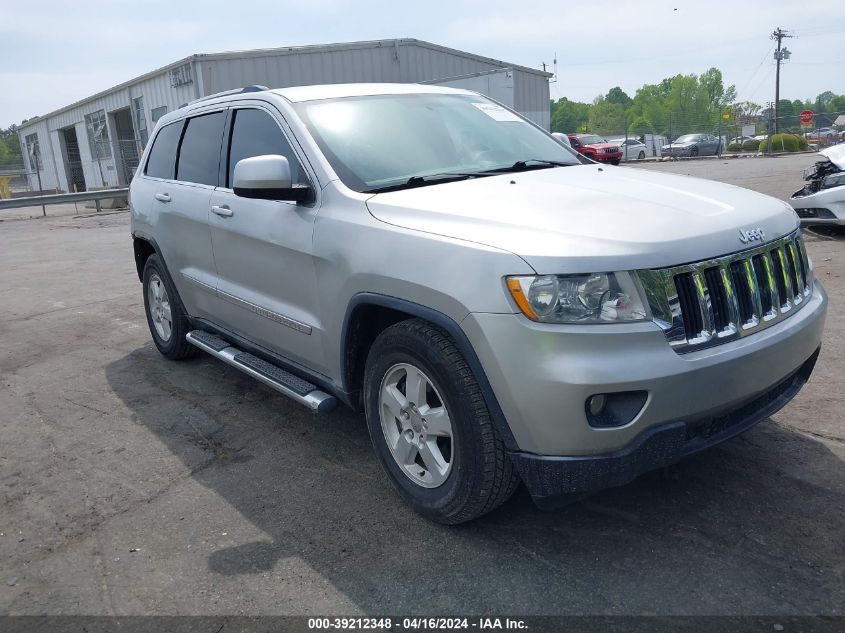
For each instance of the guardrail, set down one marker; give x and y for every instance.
(64, 198)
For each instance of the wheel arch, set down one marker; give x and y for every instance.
(143, 247)
(368, 314)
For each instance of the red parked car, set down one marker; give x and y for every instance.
(595, 147)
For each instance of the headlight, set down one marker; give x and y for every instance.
(589, 298)
(834, 180)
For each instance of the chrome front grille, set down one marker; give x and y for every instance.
(717, 300)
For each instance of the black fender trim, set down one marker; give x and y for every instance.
(156, 250)
(454, 330)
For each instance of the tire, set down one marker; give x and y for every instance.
(161, 299)
(616, 162)
(641, 155)
(693, 151)
(471, 474)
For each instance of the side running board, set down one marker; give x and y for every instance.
(271, 375)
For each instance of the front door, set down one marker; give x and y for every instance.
(263, 250)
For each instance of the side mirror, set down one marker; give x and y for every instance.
(267, 178)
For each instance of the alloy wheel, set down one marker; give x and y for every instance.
(416, 425)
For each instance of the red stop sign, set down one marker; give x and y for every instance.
(806, 116)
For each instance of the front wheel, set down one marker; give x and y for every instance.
(693, 151)
(430, 425)
(616, 162)
(641, 155)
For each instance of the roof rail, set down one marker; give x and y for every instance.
(234, 91)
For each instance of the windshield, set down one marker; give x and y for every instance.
(377, 141)
(591, 139)
(687, 138)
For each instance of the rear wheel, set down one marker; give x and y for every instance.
(165, 316)
(430, 425)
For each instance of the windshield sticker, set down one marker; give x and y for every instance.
(496, 112)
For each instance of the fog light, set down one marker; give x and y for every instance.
(595, 404)
(608, 410)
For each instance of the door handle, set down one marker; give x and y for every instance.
(163, 197)
(222, 210)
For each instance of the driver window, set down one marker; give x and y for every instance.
(256, 133)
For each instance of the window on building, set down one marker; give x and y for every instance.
(199, 154)
(157, 113)
(33, 151)
(140, 120)
(181, 76)
(255, 133)
(162, 160)
(98, 134)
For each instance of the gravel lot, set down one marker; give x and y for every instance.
(134, 485)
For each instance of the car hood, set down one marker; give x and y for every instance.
(589, 218)
(835, 154)
(603, 145)
(687, 144)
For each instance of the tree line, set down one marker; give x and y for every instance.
(10, 148)
(680, 105)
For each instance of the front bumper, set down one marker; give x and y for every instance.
(555, 481)
(543, 374)
(607, 158)
(826, 206)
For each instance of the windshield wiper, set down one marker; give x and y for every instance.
(531, 163)
(430, 179)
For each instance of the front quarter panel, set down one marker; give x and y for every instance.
(356, 253)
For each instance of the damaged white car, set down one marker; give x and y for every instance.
(822, 199)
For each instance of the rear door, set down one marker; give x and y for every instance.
(263, 248)
(179, 176)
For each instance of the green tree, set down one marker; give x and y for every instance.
(10, 149)
(618, 96)
(607, 117)
(569, 116)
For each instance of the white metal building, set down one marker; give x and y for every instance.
(97, 142)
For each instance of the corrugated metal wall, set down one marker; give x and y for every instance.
(389, 61)
(404, 61)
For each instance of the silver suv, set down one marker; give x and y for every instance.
(501, 308)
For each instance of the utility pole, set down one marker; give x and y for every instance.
(780, 54)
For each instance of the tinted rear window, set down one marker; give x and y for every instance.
(162, 160)
(199, 155)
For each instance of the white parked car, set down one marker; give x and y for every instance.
(632, 149)
(739, 140)
(822, 199)
(562, 138)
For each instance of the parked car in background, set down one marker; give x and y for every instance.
(739, 140)
(822, 133)
(597, 148)
(822, 199)
(632, 149)
(563, 139)
(692, 145)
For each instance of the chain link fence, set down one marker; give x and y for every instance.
(731, 133)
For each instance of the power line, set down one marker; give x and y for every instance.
(756, 70)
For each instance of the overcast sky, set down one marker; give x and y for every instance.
(55, 52)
